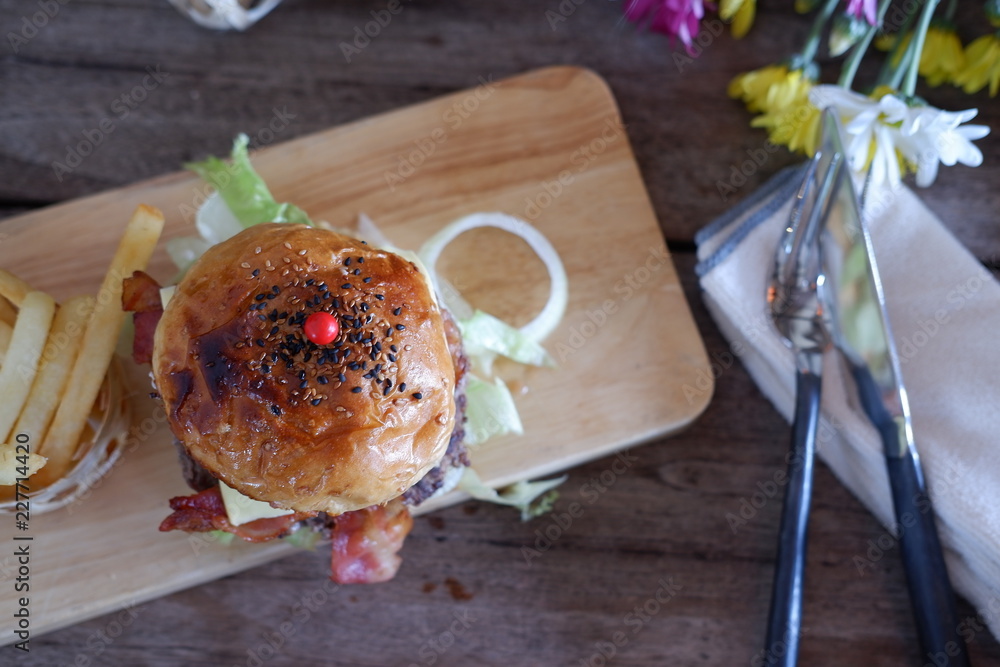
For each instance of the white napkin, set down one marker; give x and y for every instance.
(944, 310)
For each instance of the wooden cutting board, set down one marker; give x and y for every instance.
(547, 146)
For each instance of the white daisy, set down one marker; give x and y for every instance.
(879, 132)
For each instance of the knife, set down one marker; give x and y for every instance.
(853, 295)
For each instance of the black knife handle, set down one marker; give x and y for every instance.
(784, 622)
(931, 595)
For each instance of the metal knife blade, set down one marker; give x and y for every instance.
(853, 294)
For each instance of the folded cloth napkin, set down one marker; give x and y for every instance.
(944, 310)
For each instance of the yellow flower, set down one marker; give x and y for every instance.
(741, 13)
(789, 117)
(752, 87)
(982, 66)
(942, 58)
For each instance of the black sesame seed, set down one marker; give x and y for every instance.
(373, 355)
(361, 260)
(369, 375)
(302, 375)
(367, 280)
(276, 289)
(270, 296)
(256, 272)
(274, 330)
(354, 366)
(385, 392)
(316, 401)
(260, 297)
(392, 358)
(275, 409)
(393, 348)
(310, 282)
(346, 286)
(418, 395)
(347, 262)
(265, 368)
(397, 312)
(378, 367)
(342, 377)
(260, 342)
(336, 303)
(322, 379)
(303, 384)
(400, 327)
(378, 347)
(380, 297)
(388, 332)
(306, 357)
(356, 271)
(402, 386)
(356, 390)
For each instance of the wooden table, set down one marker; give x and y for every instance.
(466, 595)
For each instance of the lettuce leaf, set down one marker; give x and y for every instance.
(489, 411)
(243, 190)
(532, 498)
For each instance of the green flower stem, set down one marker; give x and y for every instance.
(895, 63)
(949, 11)
(910, 85)
(859, 50)
(903, 68)
(816, 31)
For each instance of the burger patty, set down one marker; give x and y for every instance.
(457, 454)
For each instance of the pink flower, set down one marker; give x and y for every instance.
(676, 18)
(863, 9)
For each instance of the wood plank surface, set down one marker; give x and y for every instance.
(665, 517)
(548, 146)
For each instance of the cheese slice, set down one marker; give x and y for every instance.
(166, 293)
(243, 510)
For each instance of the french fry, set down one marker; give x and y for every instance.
(6, 331)
(99, 341)
(26, 343)
(8, 314)
(13, 288)
(9, 465)
(58, 358)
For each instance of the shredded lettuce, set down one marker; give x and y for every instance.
(304, 538)
(220, 536)
(486, 336)
(489, 411)
(244, 191)
(532, 498)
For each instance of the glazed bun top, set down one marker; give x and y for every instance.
(302, 426)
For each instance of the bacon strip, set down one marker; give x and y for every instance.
(205, 511)
(365, 543)
(141, 296)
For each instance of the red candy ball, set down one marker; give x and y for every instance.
(321, 328)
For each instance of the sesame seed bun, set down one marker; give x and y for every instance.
(329, 428)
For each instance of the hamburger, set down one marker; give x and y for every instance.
(314, 385)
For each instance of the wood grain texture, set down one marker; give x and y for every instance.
(511, 146)
(664, 517)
